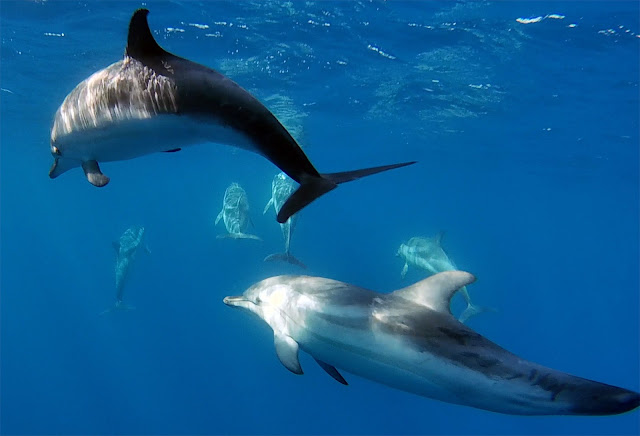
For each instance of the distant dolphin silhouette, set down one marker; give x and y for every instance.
(126, 249)
(281, 188)
(428, 255)
(235, 213)
(153, 101)
(409, 340)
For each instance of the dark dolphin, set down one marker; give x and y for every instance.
(154, 101)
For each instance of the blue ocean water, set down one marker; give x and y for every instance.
(523, 117)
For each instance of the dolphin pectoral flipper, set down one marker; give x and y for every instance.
(93, 173)
(435, 292)
(313, 187)
(332, 371)
(266, 208)
(287, 351)
(219, 217)
(405, 268)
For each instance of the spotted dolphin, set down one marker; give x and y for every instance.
(427, 254)
(126, 248)
(153, 101)
(235, 213)
(409, 340)
(281, 188)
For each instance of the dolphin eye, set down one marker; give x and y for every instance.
(258, 300)
(55, 150)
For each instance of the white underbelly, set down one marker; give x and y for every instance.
(133, 138)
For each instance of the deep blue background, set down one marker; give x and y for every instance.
(534, 179)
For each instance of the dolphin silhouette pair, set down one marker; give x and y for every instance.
(153, 101)
(409, 340)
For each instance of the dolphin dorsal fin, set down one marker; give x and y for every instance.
(435, 292)
(140, 42)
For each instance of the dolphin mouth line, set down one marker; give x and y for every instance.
(233, 301)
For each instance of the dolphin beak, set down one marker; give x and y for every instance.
(52, 171)
(235, 301)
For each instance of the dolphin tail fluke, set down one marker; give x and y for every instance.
(285, 257)
(314, 187)
(118, 306)
(239, 236)
(305, 194)
(473, 310)
(125, 307)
